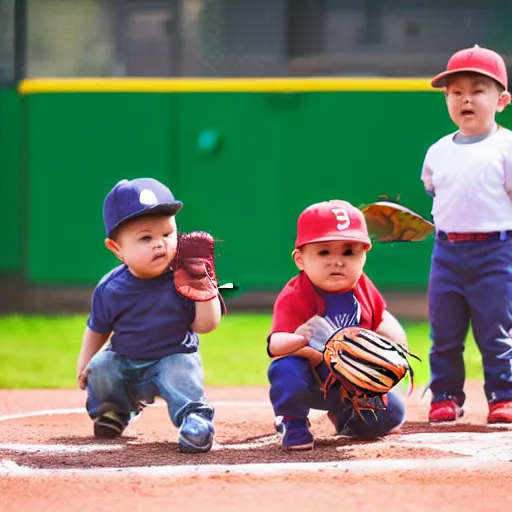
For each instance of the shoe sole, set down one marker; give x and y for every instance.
(107, 428)
(500, 421)
(451, 420)
(184, 448)
(299, 447)
(106, 431)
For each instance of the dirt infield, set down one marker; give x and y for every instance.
(50, 461)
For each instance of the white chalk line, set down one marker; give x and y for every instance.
(73, 449)
(11, 469)
(46, 412)
(81, 410)
(481, 448)
(90, 448)
(59, 448)
(495, 446)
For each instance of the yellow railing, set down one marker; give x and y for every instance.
(317, 84)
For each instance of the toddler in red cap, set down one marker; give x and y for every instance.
(330, 253)
(469, 175)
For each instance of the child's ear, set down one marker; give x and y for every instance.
(503, 101)
(297, 257)
(113, 246)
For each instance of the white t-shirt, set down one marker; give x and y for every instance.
(471, 183)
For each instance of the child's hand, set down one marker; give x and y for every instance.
(319, 330)
(82, 378)
(92, 343)
(315, 357)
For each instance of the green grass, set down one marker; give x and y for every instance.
(41, 352)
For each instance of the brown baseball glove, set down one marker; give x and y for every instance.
(194, 267)
(367, 365)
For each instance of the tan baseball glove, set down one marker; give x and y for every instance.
(389, 221)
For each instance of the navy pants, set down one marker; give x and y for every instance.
(294, 390)
(471, 282)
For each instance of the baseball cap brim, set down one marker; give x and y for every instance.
(440, 80)
(344, 238)
(164, 209)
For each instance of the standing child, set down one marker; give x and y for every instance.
(330, 253)
(153, 314)
(469, 175)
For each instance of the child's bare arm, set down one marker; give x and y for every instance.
(285, 343)
(91, 344)
(391, 328)
(296, 344)
(207, 316)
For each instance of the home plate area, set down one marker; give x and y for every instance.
(59, 440)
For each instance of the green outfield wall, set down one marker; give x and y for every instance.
(245, 157)
(11, 260)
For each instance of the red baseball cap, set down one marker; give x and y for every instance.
(475, 60)
(331, 220)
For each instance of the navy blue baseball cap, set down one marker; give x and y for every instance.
(130, 199)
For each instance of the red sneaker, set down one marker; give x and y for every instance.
(500, 412)
(446, 410)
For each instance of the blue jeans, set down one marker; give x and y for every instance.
(470, 282)
(118, 384)
(294, 390)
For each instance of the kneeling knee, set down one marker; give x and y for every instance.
(104, 368)
(103, 360)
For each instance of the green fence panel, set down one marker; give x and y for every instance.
(10, 182)
(244, 164)
(277, 153)
(80, 146)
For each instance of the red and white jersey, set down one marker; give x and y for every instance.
(471, 183)
(299, 301)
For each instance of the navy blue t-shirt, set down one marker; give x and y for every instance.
(148, 318)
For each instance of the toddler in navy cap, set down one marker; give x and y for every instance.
(153, 349)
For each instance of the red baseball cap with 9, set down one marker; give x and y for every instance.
(475, 60)
(329, 221)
